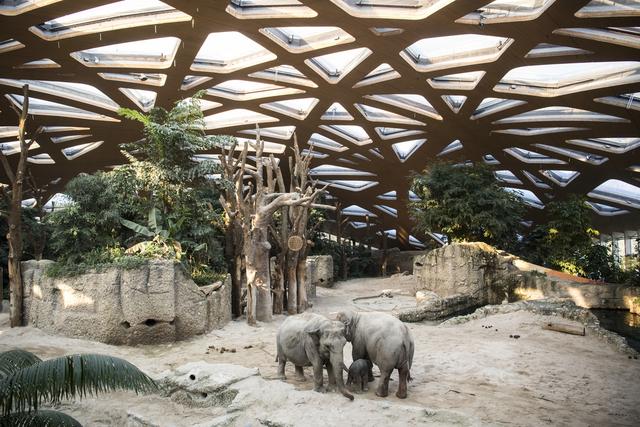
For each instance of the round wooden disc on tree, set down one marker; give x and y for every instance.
(295, 243)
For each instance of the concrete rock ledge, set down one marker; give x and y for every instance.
(156, 303)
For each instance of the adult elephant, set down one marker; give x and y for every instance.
(385, 341)
(310, 339)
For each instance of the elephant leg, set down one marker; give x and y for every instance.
(402, 387)
(370, 374)
(317, 377)
(332, 377)
(364, 383)
(281, 365)
(383, 386)
(300, 373)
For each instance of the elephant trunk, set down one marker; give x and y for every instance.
(336, 361)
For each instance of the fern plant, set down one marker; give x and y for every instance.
(27, 382)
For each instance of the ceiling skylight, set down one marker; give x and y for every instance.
(306, 39)
(152, 53)
(334, 66)
(229, 51)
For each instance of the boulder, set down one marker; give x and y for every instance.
(319, 273)
(155, 303)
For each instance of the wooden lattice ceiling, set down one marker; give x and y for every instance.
(544, 90)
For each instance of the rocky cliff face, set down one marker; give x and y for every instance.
(155, 303)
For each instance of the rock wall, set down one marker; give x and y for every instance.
(155, 303)
(464, 275)
(319, 273)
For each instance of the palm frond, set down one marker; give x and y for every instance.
(73, 376)
(13, 360)
(43, 418)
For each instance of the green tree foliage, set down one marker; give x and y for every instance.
(27, 382)
(163, 176)
(467, 204)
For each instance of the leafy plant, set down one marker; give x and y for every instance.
(27, 382)
(467, 204)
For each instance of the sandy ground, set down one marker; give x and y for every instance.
(541, 378)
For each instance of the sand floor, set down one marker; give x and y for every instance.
(542, 378)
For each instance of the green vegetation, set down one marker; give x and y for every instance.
(467, 204)
(161, 205)
(27, 382)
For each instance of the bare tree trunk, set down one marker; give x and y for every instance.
(14, 235)
(258, 277)
(292, 282)
(301, 270)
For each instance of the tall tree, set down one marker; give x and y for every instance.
(467, 204)
(14, 236)
(254, 205)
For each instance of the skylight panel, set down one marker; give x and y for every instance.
(151, 53)
(109, 17)
(411, 102)
(236, 117)
(490, 159)
(320, 141)
(560, 114)
(388, 210)
(41, 159)
(13, 147)
(528, 156)
(437, 53)
(306, 39)
(459, 81)
(337, 112)
(527, 196)
(334, 66)
(625, 100)
(606, 210)
(537, 131)
(8, 131)
(392, 9)
(406, 149)
(610, 145)
(269, 9)
(229, 51)
(591, 158)
(389, 195)
(277, 132)
(354, 134)
(501, 11)
(74, 91)
(387, 133)
(297, 108)
(38, 64)
(507, 176)
(455, 102)
(67, 138)
(547, 50)
(355, 210)
(382, 73)
(150, 79)
(41, 107)
(144, 99)
(244, 90)
(622, 36)
(9, 45)
(17, 7)
(326, 169)
(454, 146)
(609, 8)
(284, 74)
(560, 79)
(76, 151)
(618, 191)
(490, 106)
(560, 177)
(351, 185)
(376, 115)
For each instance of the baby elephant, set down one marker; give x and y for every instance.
(359, 373)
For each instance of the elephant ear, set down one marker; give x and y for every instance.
(313, 331)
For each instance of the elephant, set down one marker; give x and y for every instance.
(310, 339)
(385, 341)
(358, 373)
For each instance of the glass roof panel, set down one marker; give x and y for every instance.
(151, 53)
(527, 196)
(611, 145)
(296, 108)
(236, 117)
(438, 53)
(17, 7)
(9, 45)
(245, 90)
(560, 114)
(41, 107)
(320, 141)
(305, 39)
(262, 9)
(609, 8)
(391, 9)
(375, 115)
(459, 81)
(109, 17)
(144, 99)
(406, 149)
(229, 51)
(382, 73)
(334, 66)
(501, 11)
(615, 190)
(336, 112)
(76, 151)
(327, 169)
(411, 102)
(355, 210)
(284, 74)
(354, 134)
